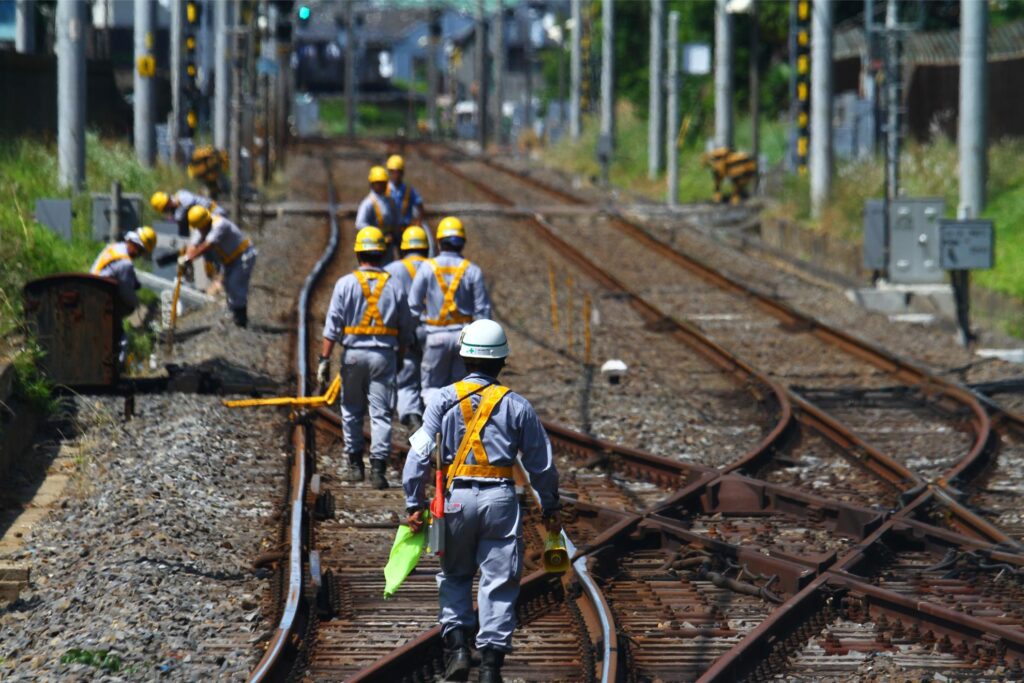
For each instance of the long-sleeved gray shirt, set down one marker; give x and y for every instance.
(226, 238)
(513, 428)
(114, 262)
(186, 200)
(399, 271)
(426, 297)
(367, 213)
(348, 305)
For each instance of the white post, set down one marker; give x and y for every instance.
(222, 69)
(723, 76)
(971, 134)
(672, 120)
(654, 123)
(575, 71)
(145, 134)
(70, 27)
(608, 72)
(25, 26)
(821, 104)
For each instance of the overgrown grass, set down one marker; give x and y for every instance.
(371, 119)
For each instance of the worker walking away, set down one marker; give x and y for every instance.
(414, 249)
(407, 200)
(115, 262)
(176, 206)
(447, 293)
(378, 209)
(371, 321)
(226, 244)
(483, 427)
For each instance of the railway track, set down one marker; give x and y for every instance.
(812, 570)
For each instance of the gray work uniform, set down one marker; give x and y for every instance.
(185, 200)
(408, 388)
(482, 517)
(235, 255)
(114, 262)
(407, 200)
(441, 363)
(368, 361)
(379, 211)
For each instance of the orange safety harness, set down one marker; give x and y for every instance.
(226, 258)
(405, 204)
(409, 263)
(471, 441)
(109, 254)
(449, 313)
(372, 321)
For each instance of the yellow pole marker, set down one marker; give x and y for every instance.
(329, 397)
(174, 309)
(568, 314)
(553, 286)
(586, 329)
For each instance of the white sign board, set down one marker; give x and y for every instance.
(966, 245)
(696, 59)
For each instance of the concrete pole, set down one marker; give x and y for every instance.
(575, 71)
(283, 97)
(481, 75)
(70, 26)
(25, 26)
(238, 49)
(971, 136)
(177, 9)
(499, 72)
(723, 76)
(654, 123)
(351, 84)
(608, 72)
(821, 104)
(528, 56)
(892, 133)
(433, 36)
(672, 119)
(145, 134)
(222, 69)
(755, 89)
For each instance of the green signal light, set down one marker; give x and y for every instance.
(304, 13)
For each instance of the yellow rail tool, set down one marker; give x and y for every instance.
(329, 397)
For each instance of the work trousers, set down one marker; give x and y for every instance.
(409, 401)
(236, 279)
(367, 379)
(442, 365)
(483, 529)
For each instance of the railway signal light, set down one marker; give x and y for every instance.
(304, 13)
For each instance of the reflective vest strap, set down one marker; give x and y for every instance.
(489, 399)
(372, 322)
(449, 313)
(108, 256)
(378, 212)
(405, 202)
(226, 258)
(409, 263)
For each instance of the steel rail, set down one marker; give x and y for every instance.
(277, 660)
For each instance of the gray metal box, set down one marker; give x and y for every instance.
(874, 234)
(914, 256)
(55, 214)
(131, 214)
(967, 244)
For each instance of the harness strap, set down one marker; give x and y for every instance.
(377, 211)
(449, 313)
(471, 441)
(226, 258)
(409, 263)
(405, 204)
(372, 322)
(108, 256)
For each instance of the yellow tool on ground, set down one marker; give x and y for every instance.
(174, 308)
(329, 397)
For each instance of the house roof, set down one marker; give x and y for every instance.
(937, 48)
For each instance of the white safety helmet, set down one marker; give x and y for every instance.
(483, 339)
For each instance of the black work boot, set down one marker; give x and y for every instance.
(456, 656)
(356, 469)
(412, 421)
(378, 472)
(241, 316)
(490, 665)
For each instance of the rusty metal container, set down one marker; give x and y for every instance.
(73, 318)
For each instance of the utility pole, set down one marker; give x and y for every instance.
(25, 26)
(654, 123)
(821, 104)
(177, 38)
(71, 26)
(238, 36)
(481, 76)
(972, 134)
(222, 69)
(284, 75)
(433, 38)
(528, 56)
(755, 89)
(575, 71)
(607, 77)
(672, 120)
(892, 78)
(351, 84)
(499, 72)
(145, 147)
(723, 76)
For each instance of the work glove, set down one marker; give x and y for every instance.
(323, 374)
(415, 520)
(184, 260)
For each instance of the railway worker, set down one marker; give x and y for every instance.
(226, 244)
(414, 249)
(378, 209)
(407, 199)
(176, 206)
(447, 293)
(368, 316)
(115, 262)
(483, 524)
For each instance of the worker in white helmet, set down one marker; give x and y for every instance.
(370, 319)
(447, 294)
(226, 244)
(115, 262)
(483, 428)
(407, 200)
(378, 209)
(414, 249)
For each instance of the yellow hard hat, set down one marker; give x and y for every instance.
(450, 227)
(159, 201)
(396, 163)
(378, 175)
(143, 237)
(198, 217)
(370, 239)
(414, 237)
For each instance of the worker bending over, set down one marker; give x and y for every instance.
(447, 293)
(176, 206)
(378, 209)
(483, 427)
(226, 244)
(371, 321)
(115, 262)
(414, 249)
(407, 200)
